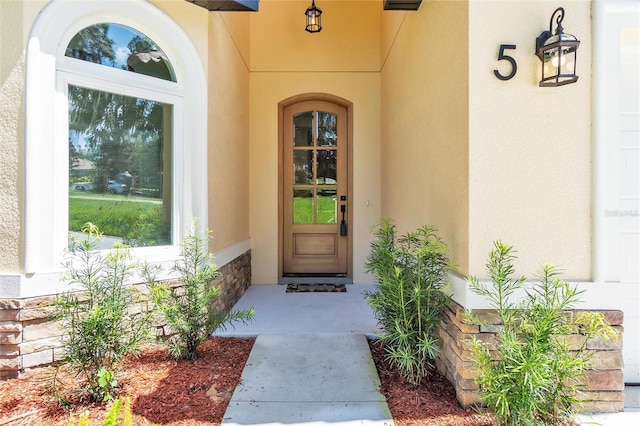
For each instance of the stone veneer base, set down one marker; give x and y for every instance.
(604, 381)
(28, 338)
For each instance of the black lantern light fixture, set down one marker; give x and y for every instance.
(557, 51)
(314, 18)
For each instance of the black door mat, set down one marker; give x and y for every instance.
(316, 288)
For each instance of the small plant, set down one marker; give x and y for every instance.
(120, 410)
(106, 383)
(537, 377)
(101, 329)
(409, 301)
(188, 308)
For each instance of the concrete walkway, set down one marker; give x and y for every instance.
(311, 363)
(310, 379)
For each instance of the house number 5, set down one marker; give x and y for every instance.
(503, 57)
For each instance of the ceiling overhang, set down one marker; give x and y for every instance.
(252, 5)
(402, 4)
(228, 5)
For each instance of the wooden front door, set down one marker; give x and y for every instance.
(315, 188)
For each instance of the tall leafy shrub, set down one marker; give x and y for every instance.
(409, 301)
(536, 377)
(100, 326)
(188, 307)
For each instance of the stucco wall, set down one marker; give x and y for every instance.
(192, 19)
(529, 147)
(425, 123)
(228, 128)
(12, 131)
(342, 60)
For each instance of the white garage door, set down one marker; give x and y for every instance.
(617, 165)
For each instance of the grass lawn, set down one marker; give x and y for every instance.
(303, 210)
(135, 219)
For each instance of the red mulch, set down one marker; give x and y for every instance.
(162, 390)
(432, 404)
(191, 393)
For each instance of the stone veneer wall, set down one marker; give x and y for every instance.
(604, 381)
(28, 338)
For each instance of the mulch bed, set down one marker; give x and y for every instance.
(432, 404)
(193, 393)
(162, 390)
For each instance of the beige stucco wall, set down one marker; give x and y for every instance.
(228, 128)
(342, 60)
(425, 123)
(192, 19)
(12, 23)
(529, 147)
(479, 158)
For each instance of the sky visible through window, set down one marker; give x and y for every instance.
(121, 47)
(121, 37)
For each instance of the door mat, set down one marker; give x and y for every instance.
(316, 288)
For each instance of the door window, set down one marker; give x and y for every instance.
(315, 159)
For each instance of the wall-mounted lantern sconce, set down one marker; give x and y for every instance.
(314, 19)
(557, 51)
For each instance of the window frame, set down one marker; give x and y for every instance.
(48, 75)
(65, 79)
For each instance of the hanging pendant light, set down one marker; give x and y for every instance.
(314, 20)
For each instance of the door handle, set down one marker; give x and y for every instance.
(343, 224)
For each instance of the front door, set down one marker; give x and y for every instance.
(315, 188)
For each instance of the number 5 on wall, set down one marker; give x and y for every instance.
(502, 56)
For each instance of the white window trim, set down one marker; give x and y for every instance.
(47, 75)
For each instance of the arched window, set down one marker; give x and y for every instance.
(115, 130)
(120, 47)
(120, 141)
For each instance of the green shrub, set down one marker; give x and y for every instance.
(188, 308)
(409, 301)
(100, 328)
(536, 380)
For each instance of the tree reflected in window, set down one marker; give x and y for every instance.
(120, 146)
(120, 166)
(121, 47)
